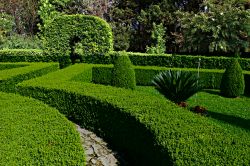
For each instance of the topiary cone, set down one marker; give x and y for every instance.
(123, 73)
(233, 84)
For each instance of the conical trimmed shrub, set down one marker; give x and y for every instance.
(233, 84)
(123, 73)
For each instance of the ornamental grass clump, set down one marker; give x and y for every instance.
(233, 84)
(123, 73)
(177, 86)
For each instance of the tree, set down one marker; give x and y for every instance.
(221, 28)
(158, 46)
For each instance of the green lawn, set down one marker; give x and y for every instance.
(231, 113)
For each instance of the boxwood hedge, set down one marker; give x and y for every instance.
(10, 77)
(25, 55)
(34, 134)
(151, 130)
(93, 34)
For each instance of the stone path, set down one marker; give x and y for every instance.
(96, 150)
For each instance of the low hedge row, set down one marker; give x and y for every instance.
(4, 66)
(138, 59)
(25, 55)
(10, 77)
(210, 78)
(151, 130)
(183, 61)
(34, 134)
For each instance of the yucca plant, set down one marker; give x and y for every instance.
(177, 86)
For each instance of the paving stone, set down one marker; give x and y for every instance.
(96, 150)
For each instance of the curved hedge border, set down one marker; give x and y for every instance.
(152, 130)
(10, 77)
(35, 134)
(92, 32)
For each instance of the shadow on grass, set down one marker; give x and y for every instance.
(236, 121)
(211, 91)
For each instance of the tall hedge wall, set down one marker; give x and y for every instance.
(94, 34)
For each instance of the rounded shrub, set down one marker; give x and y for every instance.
(233, 84)
(65, 32)
(123, 73)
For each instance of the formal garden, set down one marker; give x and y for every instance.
(155, 108)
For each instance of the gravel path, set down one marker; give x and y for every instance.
(96, 150)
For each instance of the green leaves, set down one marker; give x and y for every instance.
(177, 86)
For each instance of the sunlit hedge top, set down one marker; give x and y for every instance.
(94, 34)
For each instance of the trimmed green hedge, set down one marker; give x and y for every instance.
(10, 77)
(93, 33)
(151, 130)
(35, 134)
(210, 78)
(25, 55)
(183, 61)
(4, 66)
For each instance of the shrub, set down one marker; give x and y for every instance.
(16, 41)
(177, 86)
(123, 73)
(233, 84)
(92, 34)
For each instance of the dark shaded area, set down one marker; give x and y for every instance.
(211, 91)
(233, 120)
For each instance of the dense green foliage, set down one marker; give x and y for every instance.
(150, 129)
(16, 41)
(158, 45)
(93, 34)
(177, 86)
(10, 77)
(123, 72)
(35, 134)
(233, 84)
(25, 55)
(5, 66)
(222, 27)
(181, 61)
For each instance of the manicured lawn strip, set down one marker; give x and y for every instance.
(4, 66)
(31, 133)
(10, 77)
(232, 113)
(150, 129)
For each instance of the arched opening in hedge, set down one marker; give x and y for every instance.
(93, 33)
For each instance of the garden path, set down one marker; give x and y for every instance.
(96, 150)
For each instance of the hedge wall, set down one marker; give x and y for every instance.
(4, 66)
(10, 77)
(25, 55)
(210, 78)
(151, 130)
(94, 34)
(183, 61)
(34, 134)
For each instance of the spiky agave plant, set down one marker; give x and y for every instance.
(177, 86)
